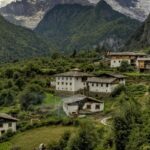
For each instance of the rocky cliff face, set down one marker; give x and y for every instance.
(29, 13)
(137, 9)
(141, 38)
(83, 27)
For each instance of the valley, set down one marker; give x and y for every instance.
(74, 75)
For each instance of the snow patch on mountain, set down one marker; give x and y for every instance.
(26, 21)
(139, 11)
(94, 1)
(5, 2)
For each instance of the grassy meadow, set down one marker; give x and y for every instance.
(31, 139)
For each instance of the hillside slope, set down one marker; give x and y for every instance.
(19, 43)
(141, 38)
(83, 27)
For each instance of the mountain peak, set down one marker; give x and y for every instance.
(104, 10)
(102, 5)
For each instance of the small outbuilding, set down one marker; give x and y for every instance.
(7, 122)
(82, 105)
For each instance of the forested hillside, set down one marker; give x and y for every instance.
(83, 27)
(141, 38)
(19, 43)
(25, 92)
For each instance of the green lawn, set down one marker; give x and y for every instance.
(50, 99)
(31, 139)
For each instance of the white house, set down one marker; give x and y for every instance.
(105, 83)
(116, 58)
(7, 123)
(81, 105)
(71, 81)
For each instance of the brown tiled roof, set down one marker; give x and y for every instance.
(74, 74)
(101, 80)
(114, 75)
(7, 117)
(125, 54)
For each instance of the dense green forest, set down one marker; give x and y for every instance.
(83, 27)
(19, 43)
(140, 39)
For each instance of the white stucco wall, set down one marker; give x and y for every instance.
(72, 84)
(122, 81)
(101, 88)
(6, 127)
(93, 107)
(117, 62)
(73, 109)
(70, 109)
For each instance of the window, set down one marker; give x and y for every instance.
(101, 85)
(88, 106)
(62, 78)
(96, 84)
(66, 78)
(70, 78)
(97, 106)
(107, 85)
(1, 125)
(62, 83)
(3, 131)
(70, 83)
(66, 83)
(10, 124)
(58, 83)
(77, 78)
(92, 84)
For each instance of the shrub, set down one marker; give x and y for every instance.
(117, 91)
(6, 97)
(32, 95)
(125, 67)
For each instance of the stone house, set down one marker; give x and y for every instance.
(105, 83)
(7, 123)
(116, 58)
(77, 105)
(71, 81)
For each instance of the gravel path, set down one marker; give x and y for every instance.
(104, 120)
